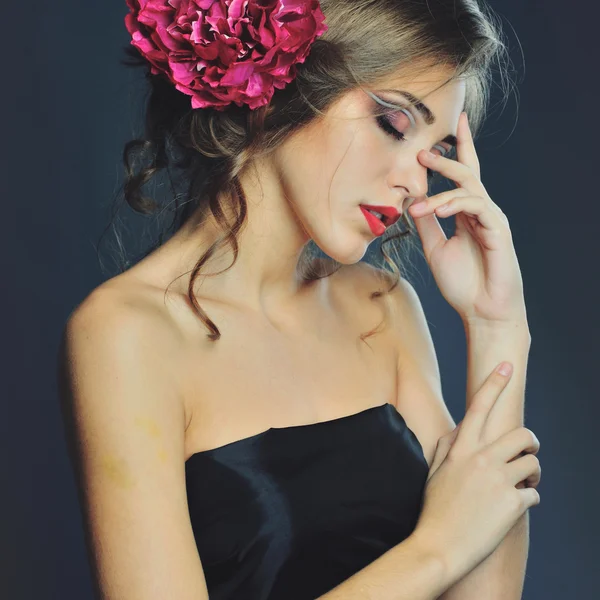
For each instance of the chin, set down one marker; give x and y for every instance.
(345, 254)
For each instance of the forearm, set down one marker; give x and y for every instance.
(406, 572)
(501, 575)
(488, 346)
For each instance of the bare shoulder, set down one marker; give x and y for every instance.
(124, 320)
(408, 317)
(126, 307)
(419, 392)
(112, 358)
(365, 279)
(124, 295)
(365, 276)
(124, 424)
(121, 329)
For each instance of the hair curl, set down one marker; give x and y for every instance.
(367, 41)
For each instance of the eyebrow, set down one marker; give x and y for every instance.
(426, 113)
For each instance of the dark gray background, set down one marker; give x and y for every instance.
(69, 107)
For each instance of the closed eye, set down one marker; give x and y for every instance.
(384, 122)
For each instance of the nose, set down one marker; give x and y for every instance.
(412, 176)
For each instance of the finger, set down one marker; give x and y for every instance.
(451, 199)
(428, 205)
(512, 444)
(474, 207)
(481, 404)
(534, 480)
(430, 231)
(442, 448)
(527, 468)
(451, 436)
(465, 147)
(461, 174)
(441, 451)
(529, 497)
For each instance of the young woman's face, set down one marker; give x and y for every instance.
(352, 158)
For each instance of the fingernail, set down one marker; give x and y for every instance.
(505, 369)
(431, 155)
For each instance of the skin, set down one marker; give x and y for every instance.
(289, 353)
(311, 188)
(274, 325)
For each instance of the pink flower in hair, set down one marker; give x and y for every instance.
(224, 51)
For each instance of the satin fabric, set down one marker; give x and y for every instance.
(290, 513)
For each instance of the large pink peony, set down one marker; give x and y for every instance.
(224, 51)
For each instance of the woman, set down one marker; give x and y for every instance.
(276, 429)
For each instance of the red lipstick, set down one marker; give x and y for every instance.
(378, 226)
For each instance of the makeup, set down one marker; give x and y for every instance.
(385, 121)
(379, 218)
(395, 107)
(376, 225)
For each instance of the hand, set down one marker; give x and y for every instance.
(476, 270)
(477, 490)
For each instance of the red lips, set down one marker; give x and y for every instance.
(389, 212)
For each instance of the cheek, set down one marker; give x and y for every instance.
(306, 173)
(334, 167)
(375, 159)
(363, 163)
(319, 165)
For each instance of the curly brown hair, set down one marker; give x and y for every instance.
(366, 41)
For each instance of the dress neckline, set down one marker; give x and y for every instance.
(387, 406)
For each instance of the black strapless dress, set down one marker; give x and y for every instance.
(290, 513)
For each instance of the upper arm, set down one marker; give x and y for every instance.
(124, 424)
(419, 393)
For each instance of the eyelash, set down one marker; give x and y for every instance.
(384, 122)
